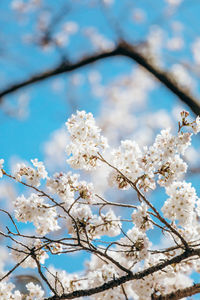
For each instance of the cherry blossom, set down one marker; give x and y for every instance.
(34, 209)
(86, 141)
(118, 252)
(33, 176)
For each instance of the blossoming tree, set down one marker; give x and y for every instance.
(93, 195)
(127, 266)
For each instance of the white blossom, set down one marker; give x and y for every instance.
(33, 176)
(163, 157)
(196, 125)
(183, 141)
(141, 218)
(180, 206)
(143, 287)
(63, 185)
(108, 224)
(86, 191)
(34, 209)
(35, 291)
(6, 292)
(67, 185)
(126, 160)
(90, 225)
(86, 141)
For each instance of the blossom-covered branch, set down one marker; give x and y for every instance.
(68, 216)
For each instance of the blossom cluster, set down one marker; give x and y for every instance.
(90, 225)
(34, 209)
(67, 185)
(162, 159)
(34, 292)
(181, 204)
(86, 141)
(33, 176)
(141, 219)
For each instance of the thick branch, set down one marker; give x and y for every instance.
(179, 294)
(118, 281)
(122, 49)
(64, 67)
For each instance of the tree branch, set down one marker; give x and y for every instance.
(118, 281)
(179, 294)
(121, 49)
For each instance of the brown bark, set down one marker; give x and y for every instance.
(179, 294)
